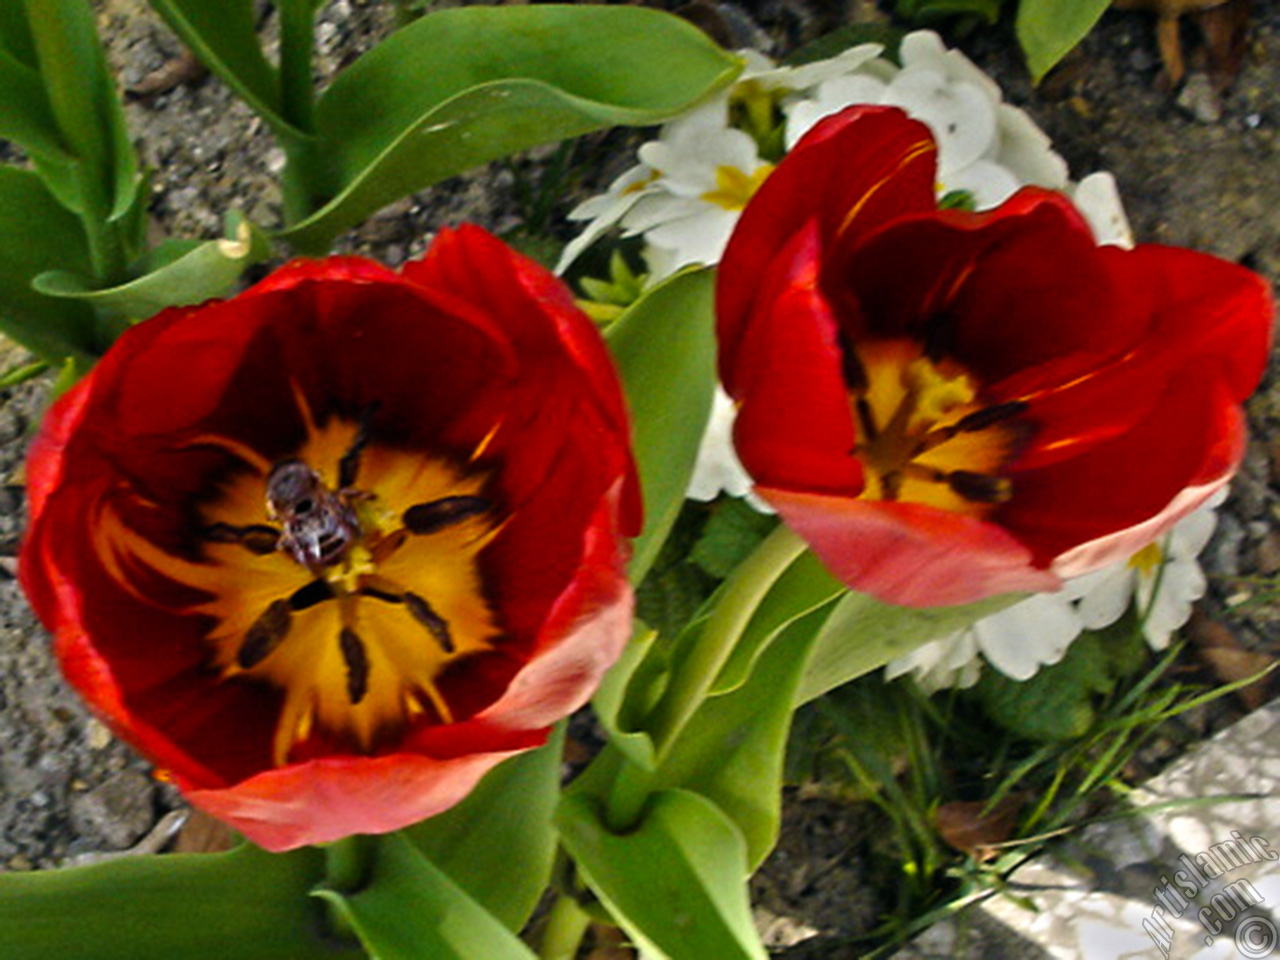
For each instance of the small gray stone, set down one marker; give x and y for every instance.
(1199, 99)
(119, 811)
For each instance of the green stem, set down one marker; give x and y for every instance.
(347, 862)
(347, 865)
(696, 672)
(627, 796)
(566, 926)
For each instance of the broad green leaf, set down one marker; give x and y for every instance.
(81, 96)
(241, 905)
(863, 633)
(733, 749)
(409, 909)
(223, 36)
(676, 883)
(664, 348)
(1047, 29)
(38, 234)
(204, 271)
(628, 691)
(15, 35)
(464, 86)
(804, 587)
(25, 114)
(499, 844)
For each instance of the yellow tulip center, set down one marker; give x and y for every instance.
(924, 434)
(349, 593)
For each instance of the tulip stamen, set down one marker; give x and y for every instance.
(426, 615)
(420, 610)
(426, 518)
(348, 576)
(923, 434)
(356, 657)
(265, 634)
(259, 538)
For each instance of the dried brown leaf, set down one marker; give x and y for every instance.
(964, 825)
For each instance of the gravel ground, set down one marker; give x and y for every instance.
(1196, 171)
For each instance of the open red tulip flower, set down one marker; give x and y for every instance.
(951, 405)
(329, 551)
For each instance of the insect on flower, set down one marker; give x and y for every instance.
(335, 618)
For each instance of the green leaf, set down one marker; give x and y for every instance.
(15, 35)
(664, 347)
(200, 272)
(804, 587)
(409, 909)
(241, 905)
(499, 844)
(223, 36)
(733, 530)
(626, 695)
(933, 10)
(25, 114)
(863, 633)
(1061, 700)
(676, 883)
(464, 86)
(1057, 703)
(1047, 29)
(732, 751)
(38, 234)
(81, 96)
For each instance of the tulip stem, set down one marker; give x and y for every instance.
(566, 926)
(696, 672)
(348, 861)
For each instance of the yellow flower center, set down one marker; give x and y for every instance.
(351, 599)
(1147, 560)
(734, 188)
(924, 435)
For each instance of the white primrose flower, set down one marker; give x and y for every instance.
(685, 196)
(1098, 198)
(1163, 578)
(986, 147)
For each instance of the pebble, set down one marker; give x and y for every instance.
(1198, 99)
(118, 811)
(1268, 555)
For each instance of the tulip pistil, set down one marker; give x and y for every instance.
(924, 434)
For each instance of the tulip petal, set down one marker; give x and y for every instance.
(869, 164)
(470, 377)
(910, 554)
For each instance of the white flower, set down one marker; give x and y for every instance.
(684, 196)
(1017, 641)
(1098, 198)
(717, 469)
(985, 146)
(1163, 578)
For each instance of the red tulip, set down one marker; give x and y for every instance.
(950, 405)
(329, 551)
